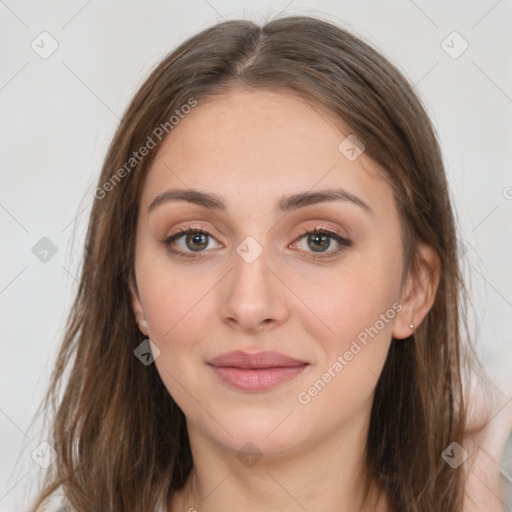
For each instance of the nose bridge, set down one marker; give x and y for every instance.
(250, 266)
(253, 293)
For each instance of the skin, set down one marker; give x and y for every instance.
(490, 425)
(251, 149)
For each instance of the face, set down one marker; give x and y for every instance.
(253, 275)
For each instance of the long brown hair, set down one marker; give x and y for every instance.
(121, 439)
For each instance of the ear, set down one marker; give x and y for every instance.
(138, 312)
(418, 292)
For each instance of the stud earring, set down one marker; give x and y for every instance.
(411, 326)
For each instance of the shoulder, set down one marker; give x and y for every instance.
(506, 475)
(489, 446)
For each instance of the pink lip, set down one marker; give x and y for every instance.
(256, 372)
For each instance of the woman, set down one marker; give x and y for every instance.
(268, 310)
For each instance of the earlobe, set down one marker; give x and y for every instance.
(140, 319)
(418, 293)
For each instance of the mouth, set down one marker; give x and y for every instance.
(256, 372)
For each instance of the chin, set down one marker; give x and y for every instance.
(268, 433)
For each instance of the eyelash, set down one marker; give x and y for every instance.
(344, 242)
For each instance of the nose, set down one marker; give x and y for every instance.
(254, 297)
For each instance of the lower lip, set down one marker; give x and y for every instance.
(259, 379)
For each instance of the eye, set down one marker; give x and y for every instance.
(194, 242)
(320, 240)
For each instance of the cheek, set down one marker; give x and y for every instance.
(361, 321)
(361, 312)
(178, 314)
(344, 304)
(173, 298)
(357, 307)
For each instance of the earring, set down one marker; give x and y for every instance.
(411, 326)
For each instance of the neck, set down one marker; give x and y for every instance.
(325, 475)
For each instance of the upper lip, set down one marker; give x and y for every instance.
(268, 359)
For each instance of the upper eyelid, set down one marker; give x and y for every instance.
(187, 229)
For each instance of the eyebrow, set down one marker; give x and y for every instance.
(285, 204)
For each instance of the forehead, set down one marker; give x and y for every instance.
(260, 145)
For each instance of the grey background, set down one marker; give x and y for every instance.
(59, 114)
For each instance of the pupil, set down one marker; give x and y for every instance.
(320, 238)
(196, 239)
